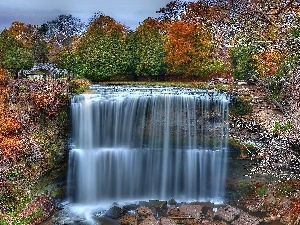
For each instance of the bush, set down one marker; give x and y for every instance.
(241, 106)
(243, 63)
(78, 86)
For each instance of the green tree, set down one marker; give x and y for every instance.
(40, 51)
(131, 43)
(244, 56)
(149, 49)
(70, 61)
(13, 55)
(103, 49)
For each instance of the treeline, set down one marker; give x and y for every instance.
(249, 39)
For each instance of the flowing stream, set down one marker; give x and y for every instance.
(137, 143)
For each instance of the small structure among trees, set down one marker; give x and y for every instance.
(45, 71)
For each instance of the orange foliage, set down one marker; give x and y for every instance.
(268, 62)
(2, 77)
(25, 33)
(9, 126)
(186, 47)
(197, 12)
(105, 24)
(9, 146)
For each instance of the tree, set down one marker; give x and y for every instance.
(24, 33)
(188, 49)
(244, 57)
(60, 32)
(13, 55)
(131, 43)
(172, 11)
(70, 61)
(149, 49)
(102, 49)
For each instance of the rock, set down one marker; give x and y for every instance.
(150, 220)
(215, 223)
(128, 220)
(158, 205)
(166, 221)
(172, 202)
(241, 83)
(115, 212)
(143, 212)
(255, 205)
(228, 213)
(246, 219)
(173, 211)
(194, 211)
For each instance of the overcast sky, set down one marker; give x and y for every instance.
(128, 12)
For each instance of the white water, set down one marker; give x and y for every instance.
(136, 143)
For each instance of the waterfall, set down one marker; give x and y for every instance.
(135, 143)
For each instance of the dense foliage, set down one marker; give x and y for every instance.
(202, 39)
(14, 56)
(33, 133)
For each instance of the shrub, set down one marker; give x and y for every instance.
(78, 86)
(241, 106)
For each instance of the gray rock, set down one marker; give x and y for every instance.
(115, 212)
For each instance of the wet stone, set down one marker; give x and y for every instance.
(216, 223)
(194, 211)
(172, 202)
(158, 205)
(115, 212)
(173, 211)
(150, 220)
(228, 213)
(128, 220)
(143, 212)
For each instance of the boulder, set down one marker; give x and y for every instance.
(115, 212)
(228, 213)
(158, 205)
(143, 212)
(129, 220)
(150, 220)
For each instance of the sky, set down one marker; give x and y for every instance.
(128, 12)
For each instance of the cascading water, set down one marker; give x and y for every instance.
(135, 143)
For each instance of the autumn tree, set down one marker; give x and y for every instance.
(172, 11)
(188, 49)
(13, 54)
(25, 33)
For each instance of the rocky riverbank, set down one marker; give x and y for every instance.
(267, 136)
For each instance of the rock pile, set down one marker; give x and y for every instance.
(189, 214)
